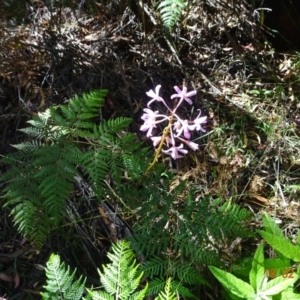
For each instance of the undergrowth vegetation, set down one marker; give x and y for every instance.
(199, 201)
(175, 232)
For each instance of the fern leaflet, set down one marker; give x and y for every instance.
(170, 11)
(60, 282)
(120, 278)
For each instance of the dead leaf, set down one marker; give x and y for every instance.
(6, 277)
(259, 198)
(17, 280)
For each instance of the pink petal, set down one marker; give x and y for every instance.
(184, 90)
(177, 89)
(156, 140)
(202, 120)
(192, 145)
(188, 100)
(191, 93)
(153, 100)
(151, 94)
(187, 134)
(157, 88)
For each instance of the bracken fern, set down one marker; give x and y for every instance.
(65, 139)
(60, 282)
(170, 11)
(121, 279)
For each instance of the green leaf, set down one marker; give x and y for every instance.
(257, 272)
(289, 294)
(60, 282)
(235, 285)
(271, 226)
(276, 263)
(282, 245)
(121, 277)
(167, 294)
(100, 295)
(170, 11)
(278, 284)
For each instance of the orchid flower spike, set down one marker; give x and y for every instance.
(177, 132)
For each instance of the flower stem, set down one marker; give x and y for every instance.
(158, 151)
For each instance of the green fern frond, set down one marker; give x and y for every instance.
(21, 192)
(155, 266)
(188, 229)
(100, 295)
(120, 278)
(186, 273)
(41, 120)
(56, 169)
(156, 286)
(64, 138)
(96, 168)
(113, 126)
(137, 164)
(158, 266)
(34, 132)
(44, 127)
(17, 159)
(171, 290)
(60, 282)
(170, 11)
(80, 111)
(115, 164)
(167, 294)
(75, 119)
(26, 215)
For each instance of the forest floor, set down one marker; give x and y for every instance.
(249, 91)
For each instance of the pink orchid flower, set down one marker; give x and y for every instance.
(149, 114)
(156, 140)
(190, 144)
(183, 126)
(179, 129)
(150, 121)
(154, 95)
(199, 121)
(148, 127)
(183, 94)
(173, 151)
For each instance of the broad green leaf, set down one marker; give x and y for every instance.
(242, 267)
(235, 285)
(227, 295)
(257, 271)
(298, 238)
(289, 294)
(276, 263)
(282, 245)
(278, 285)
(271, 226)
